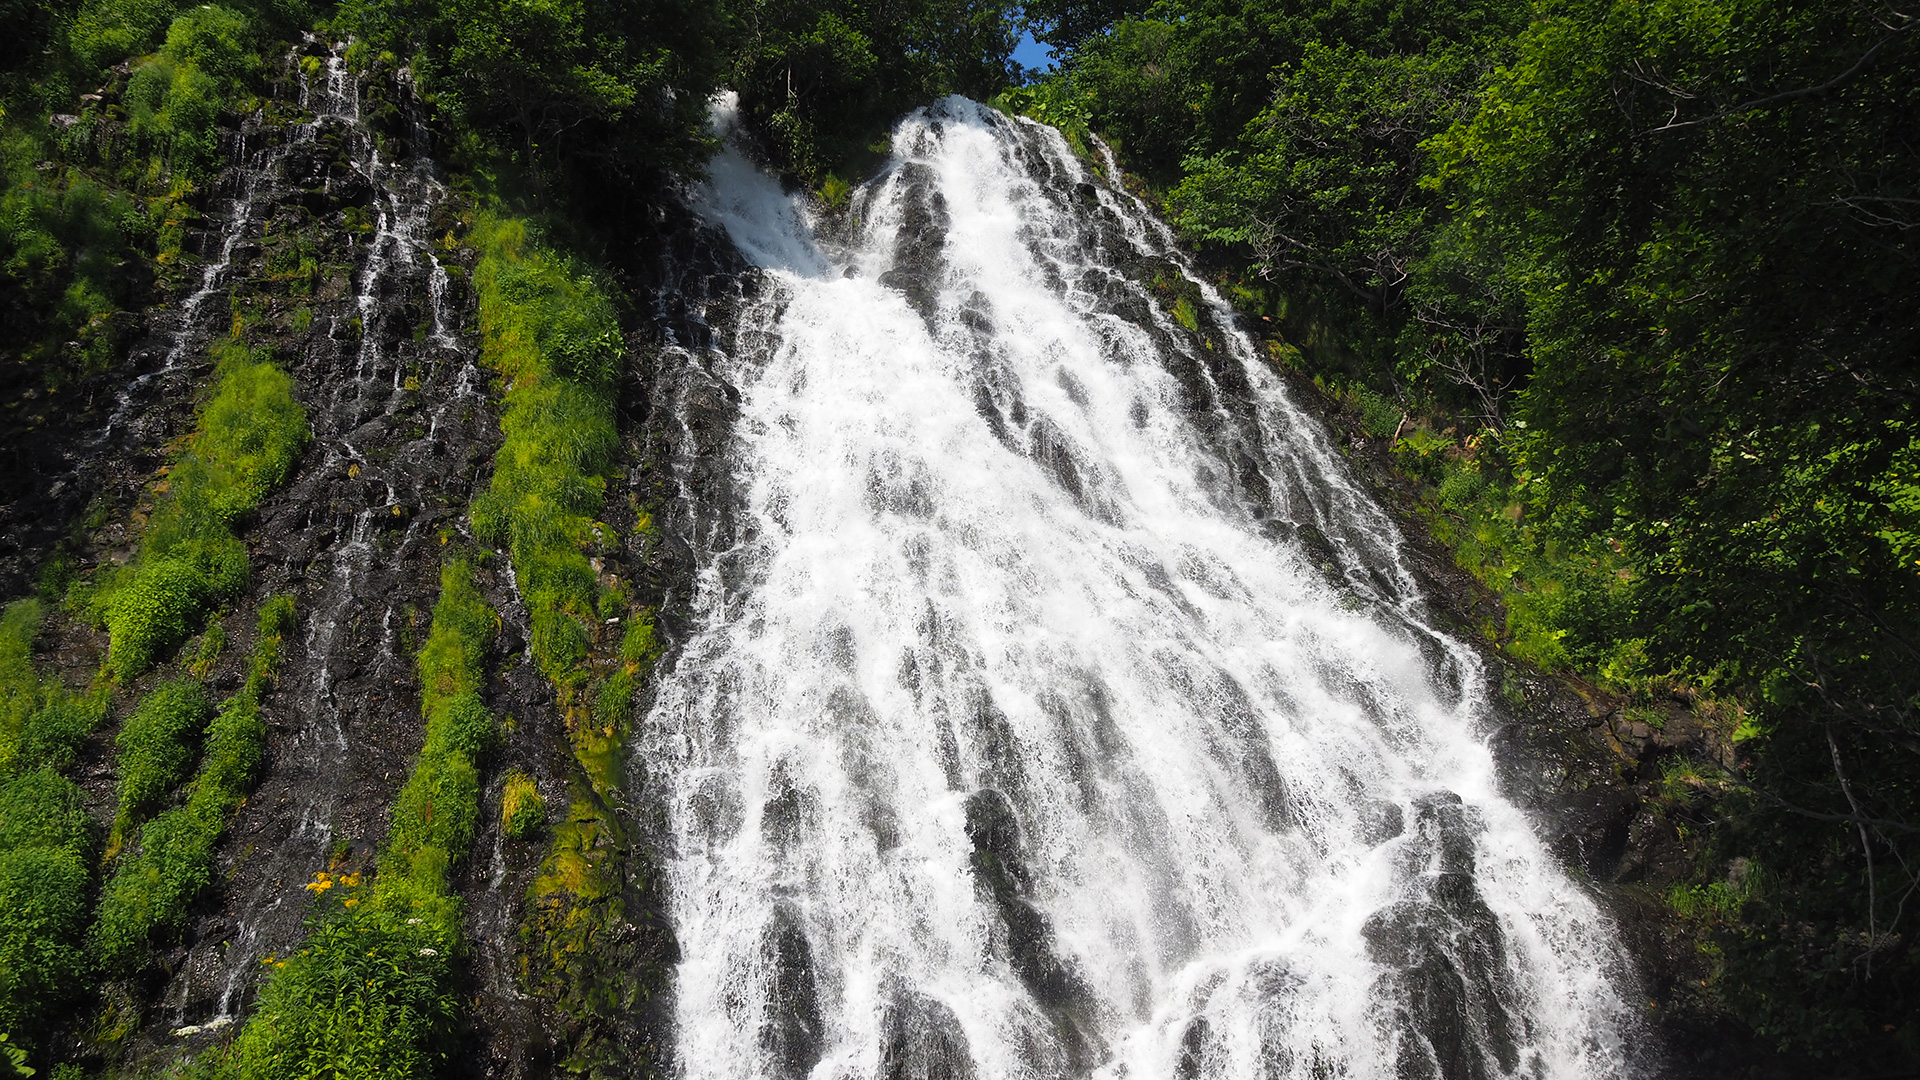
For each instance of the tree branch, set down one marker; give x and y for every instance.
(1788, 95)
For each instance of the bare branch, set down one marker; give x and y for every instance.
(1788, 95)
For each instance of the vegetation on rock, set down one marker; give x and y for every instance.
(190, 559)
(548, 327)
(153, 886)
(370, 994)
(48, 841)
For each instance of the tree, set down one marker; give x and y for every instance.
(1705, 206)
(822, 78)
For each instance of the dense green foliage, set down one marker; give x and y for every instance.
(370, 994)
(433, 819)
(550, 330)
(48, 842)
(91, 207)
(1664, 255)
(604, 100)
(47, 847)
(822, 79)
(66, 247)
(600, 101)
(249, 436)
(153, 886)
(158, 744)
(1716, 264)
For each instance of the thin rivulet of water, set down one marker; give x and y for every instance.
(1060, 705)
(363, 388)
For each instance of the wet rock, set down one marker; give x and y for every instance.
(1444, 991)
(999, 866)
(920, 251)
(1443, 957)
(788, 814)
(921, 1039)
(1380, 821)
(791, 1033)
(1193, 1050)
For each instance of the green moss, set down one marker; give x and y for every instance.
(549, 329)
(523, 810)
(639, 644)
(434, 817)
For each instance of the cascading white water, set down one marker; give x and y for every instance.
(1057, 706)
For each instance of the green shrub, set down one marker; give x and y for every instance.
(523, 810)
(613, 702)
(158, 744)
(369, 996)
(470, 729)
(249, 437)
(46, 834)
(212, 643)
(64, 245)
(42, 809)
(164, 599)
(152, 892)
(106, 31)
(46, 856)
(175, 97)
(13, 1059)
(154, 886)
(19, 685)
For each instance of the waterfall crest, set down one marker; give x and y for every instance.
(1056, 703)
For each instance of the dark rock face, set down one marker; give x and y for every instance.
(1193, 1049)
(999, 866)
(921, 1039)
(918, 257)
(1445, 992)
(792, 1033)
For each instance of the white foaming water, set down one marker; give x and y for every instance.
(1060, 707)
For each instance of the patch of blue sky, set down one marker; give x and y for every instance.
(1032, 55)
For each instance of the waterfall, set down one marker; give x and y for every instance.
(1055, 703)
(398, 424)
